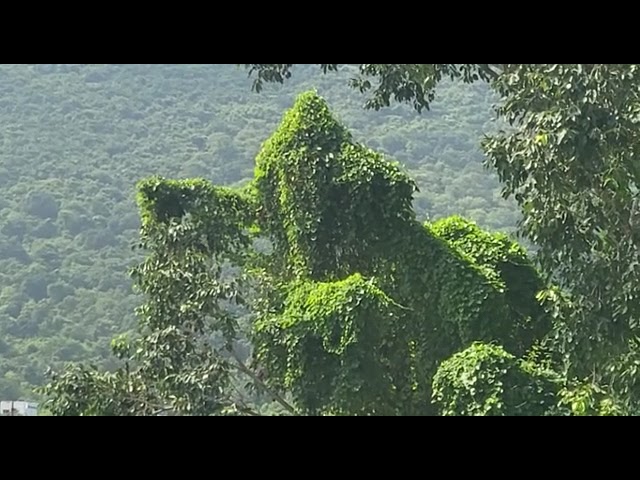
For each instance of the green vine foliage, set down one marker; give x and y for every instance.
(503, 259)
(191, 229)
(589, 400)
(355, 303)
(335, 339)
(336, 209)
(485, 380)
(569, 160)
(329, 204)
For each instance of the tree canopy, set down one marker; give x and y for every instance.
(355, 303)
(77, 138)
(569, 159)
(319, 277)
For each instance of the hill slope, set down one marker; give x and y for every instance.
(74, 140)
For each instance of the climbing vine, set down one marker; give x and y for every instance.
(337, 209)
(190, 229)
(504, 260)
(330, 347)
(357, 308)
(485, 380)
(328, 203)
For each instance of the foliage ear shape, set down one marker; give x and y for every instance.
(327, 200)
(507, 261)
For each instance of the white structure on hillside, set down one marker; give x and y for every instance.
(18, 409)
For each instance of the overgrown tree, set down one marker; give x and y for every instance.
(175, 365)
(485, 380)
(72, 132)
(569, 158)
(355, 303)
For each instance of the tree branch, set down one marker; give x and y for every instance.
(275, 395)
(489, 69)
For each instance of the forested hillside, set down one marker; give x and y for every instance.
(75, 139)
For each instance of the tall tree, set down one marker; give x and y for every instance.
(182, 360)
(569, 159)
(355, 303)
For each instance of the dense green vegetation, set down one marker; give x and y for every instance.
(76, 138)
(355, 307)
(569, 161)
(360, 309)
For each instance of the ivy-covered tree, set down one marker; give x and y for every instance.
(174, 365)
(569, 158)
(82, 135)
(354, 303)
(485, 380)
